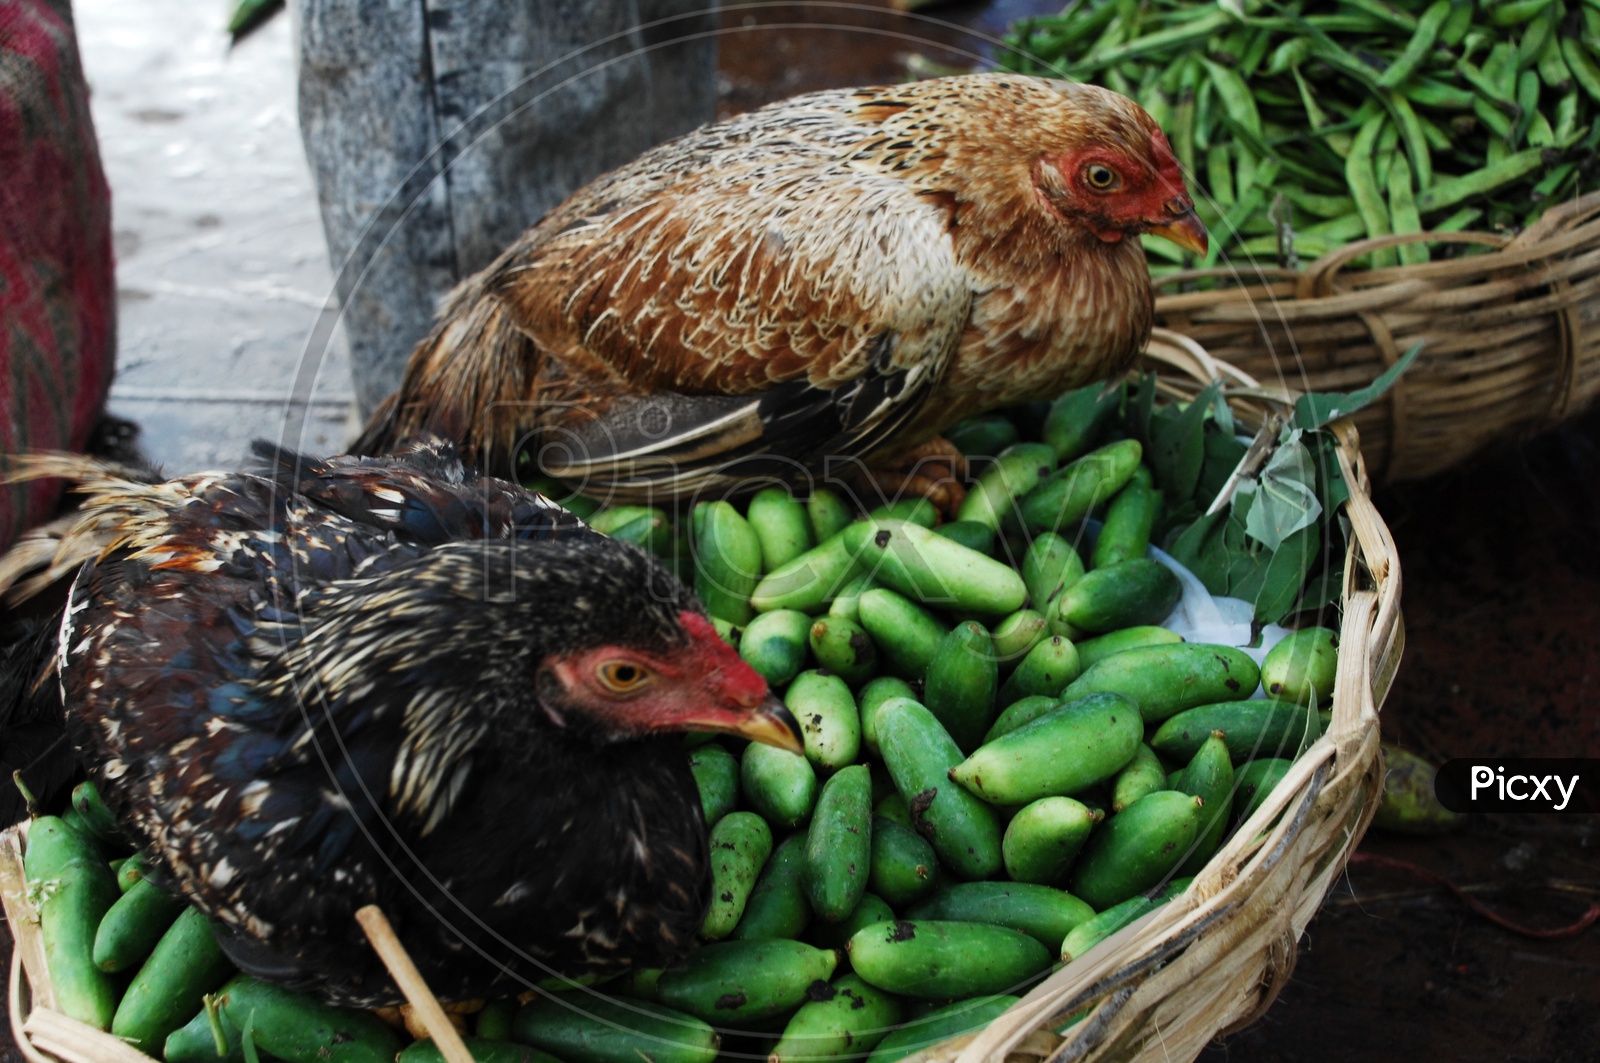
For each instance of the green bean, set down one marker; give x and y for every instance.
(1581, 65)
(1552, 68)
(1421, 43)
(1383, 152)
(1157, 104)
(1254, 52)
(1492, 110)
(1403, 215)
(1117, 82)
(1452, 190)
(1151, 44)
(1409, 127)
(1235, 95)
(1540, 135)
(1475, 40)
(1458, 221)
(1183, 113)
(1346, 22)
(1481, 80)
(1456, 26)
(1062, 34)
(1508, 13)
(1554, 180)
(1250, 202)
(1501, 67)
(1367, 116)
(1428, 92)
(1531, 45)
(1359, 172)
(1321, 206)
(1288, 55)
(1348, 227)
(1246, 173)
(1219, 175)
(1387, 12)
(1527, 102)
(1204, 118)
(1318, 117)
(1566, 114)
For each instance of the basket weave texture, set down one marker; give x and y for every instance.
(1208, 962)
(1511, 335)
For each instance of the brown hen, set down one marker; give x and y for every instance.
(834, 277)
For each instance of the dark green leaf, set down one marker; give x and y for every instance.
(1319, 408)
(1141, 406)
(1286, 573)
(1324, 587)
(1174, 520)
(1331, 485)
(1200, 549)
(1222, 457)
(1178, 448)
(1247, 569)
(1246, 561)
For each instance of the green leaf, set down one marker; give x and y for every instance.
(1285, 574)
(1174, 520)
(1246, 571)
(1141, 407)
(1178, 446)
(1323, 588)
(1222, 415)
(1243, 562)
(1319, 408)
(1332, 488)
(1286, 500)
(1223, 453)
(1199, 548)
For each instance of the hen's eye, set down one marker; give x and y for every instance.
(623, 677)
(1100, 178)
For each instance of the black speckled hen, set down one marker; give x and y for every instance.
(391, 681)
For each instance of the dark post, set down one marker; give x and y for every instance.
(439, 129)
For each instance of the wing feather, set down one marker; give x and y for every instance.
(825, 293)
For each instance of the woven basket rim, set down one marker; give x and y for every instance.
(1511, 335)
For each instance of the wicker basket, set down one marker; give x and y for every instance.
(1511, 335)
(1213, 960)
(1210, 961)
(43, 1034)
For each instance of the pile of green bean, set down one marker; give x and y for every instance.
(1305, 125)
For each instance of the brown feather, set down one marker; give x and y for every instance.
(836, 238)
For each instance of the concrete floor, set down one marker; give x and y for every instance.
(226, 309)
(222, 275)
(225, 296)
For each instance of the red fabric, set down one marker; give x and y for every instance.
(57, 309)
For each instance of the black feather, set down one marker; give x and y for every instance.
(316, 686)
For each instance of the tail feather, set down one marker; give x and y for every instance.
(469, 381)
(50, 552)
